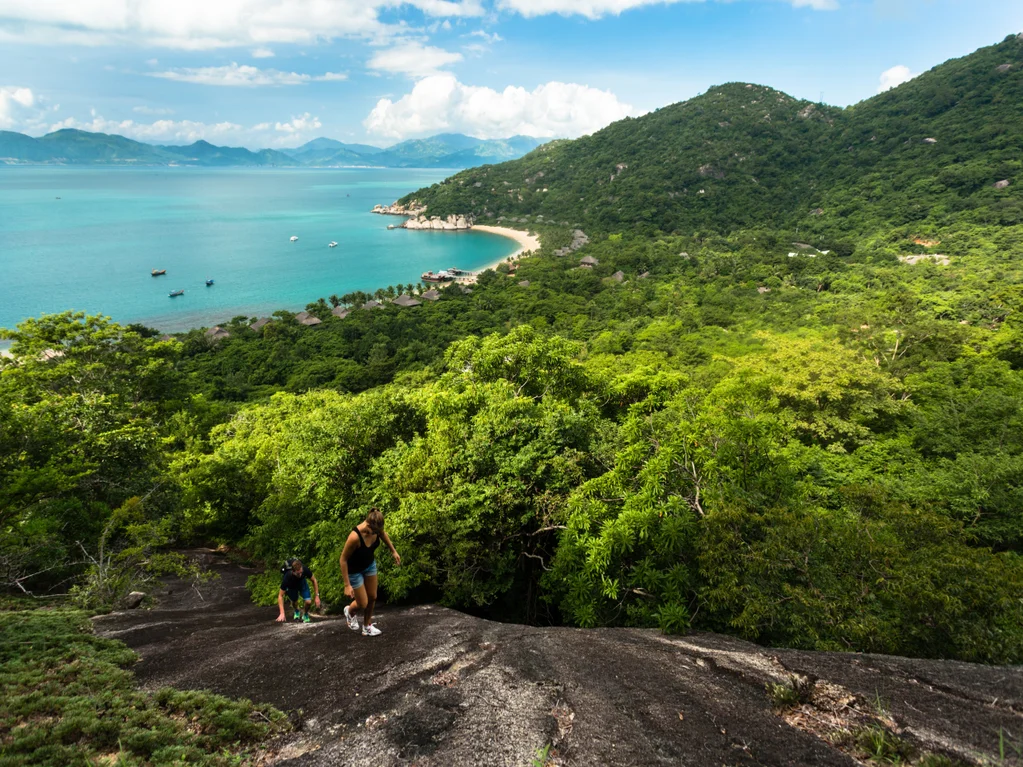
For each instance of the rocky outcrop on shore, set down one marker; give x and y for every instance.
(436, 222)
(413, 209)
(442, 688)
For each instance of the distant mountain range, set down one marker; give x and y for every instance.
(76, 147)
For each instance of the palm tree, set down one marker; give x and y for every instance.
(390, 291)
(334, 300)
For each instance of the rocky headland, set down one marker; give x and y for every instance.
(442, 688)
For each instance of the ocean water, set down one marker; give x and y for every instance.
(87, 239)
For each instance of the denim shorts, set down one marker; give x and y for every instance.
(357, 578)
(304, 588)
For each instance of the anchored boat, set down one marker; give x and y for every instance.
(175, 293)
(294, 238)
(209, 282)
(158, 272)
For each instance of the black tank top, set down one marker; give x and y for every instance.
(362, 557)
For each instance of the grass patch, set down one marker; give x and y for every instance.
(68, 698)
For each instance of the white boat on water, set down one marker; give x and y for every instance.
(294, 238)
(332, 244)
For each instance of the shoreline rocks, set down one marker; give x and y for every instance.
(452, 222)
(413, 209)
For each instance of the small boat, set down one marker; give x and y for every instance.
(158, 272)
(332, 244)
(294, 238)
(209, 282)
(441, 276)
(175, 293)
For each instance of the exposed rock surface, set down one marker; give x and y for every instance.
(436, 222)
(394, 209)
(134, 599)
(442, 688)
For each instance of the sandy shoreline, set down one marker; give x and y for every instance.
(527, 243)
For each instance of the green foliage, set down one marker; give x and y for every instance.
(770, 425)
(66, 698)
(744, 155)
(81, 403)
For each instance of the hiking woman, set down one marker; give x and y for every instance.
(359, 570)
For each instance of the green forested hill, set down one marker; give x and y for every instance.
(745, 155)
(714, 426)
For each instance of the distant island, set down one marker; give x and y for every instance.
(76, 147)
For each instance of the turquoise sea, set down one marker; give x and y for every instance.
(87, 239)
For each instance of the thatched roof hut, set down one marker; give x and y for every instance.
(588, 261)
(618, 276)
(340, 312)
(217, 333)
(259, 324)
(372, 305)
(407, 301)
(431, 295)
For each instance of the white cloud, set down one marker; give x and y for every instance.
(262, 53)
(895, 76)
(206, 24)
(299, 125)
(144, 110)
(243, 76)
(15, 105)
(440, 102)
(489, 37)
(296, 131)
(591, 9)
(161, 131)
(595, 9)
(413, 59)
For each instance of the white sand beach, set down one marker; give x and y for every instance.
(527, 243)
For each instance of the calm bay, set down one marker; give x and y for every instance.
(87, 239)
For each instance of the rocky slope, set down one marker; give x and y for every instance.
(442, 688)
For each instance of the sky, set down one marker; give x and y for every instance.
(277, 73)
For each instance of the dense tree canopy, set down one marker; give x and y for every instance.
(746, 416)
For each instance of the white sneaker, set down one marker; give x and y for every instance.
(371, 631)
(353, 620)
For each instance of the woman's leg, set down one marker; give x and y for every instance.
(370, 591)
(361, 598)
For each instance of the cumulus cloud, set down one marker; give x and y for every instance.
(262, 53)
(161, 131)
(895, 76)
(206, 24)
(595, 9)
(147, 110)
(413, 59)
(299, 124)
(243, 76)
(279, 134)
(441, 102)
(15, 103)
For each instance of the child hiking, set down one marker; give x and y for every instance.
(359, 571)
(295, 585)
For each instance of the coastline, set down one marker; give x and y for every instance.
(527, 243)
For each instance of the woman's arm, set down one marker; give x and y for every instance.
(394, 551)
(350, 546)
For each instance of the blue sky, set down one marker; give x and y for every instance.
(279, 72)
